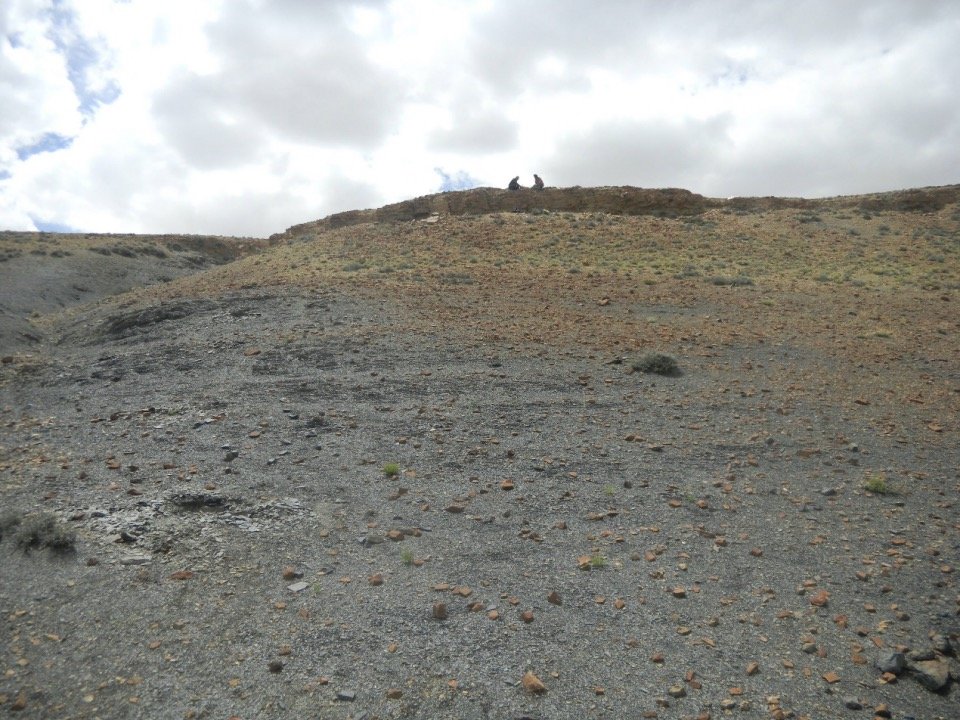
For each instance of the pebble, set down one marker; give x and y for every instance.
(852, 703)
(298, 586)
(346, 695)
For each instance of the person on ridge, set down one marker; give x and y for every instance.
(537, 182)
(514, 184)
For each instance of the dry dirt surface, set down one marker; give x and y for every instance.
(416, 463)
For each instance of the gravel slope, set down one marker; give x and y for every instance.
(692, 546)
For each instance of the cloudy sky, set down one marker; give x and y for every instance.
(242, 117)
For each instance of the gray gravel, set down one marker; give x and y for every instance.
(221, 463)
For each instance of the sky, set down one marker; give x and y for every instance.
(244, 117)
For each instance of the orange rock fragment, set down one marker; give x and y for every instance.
(533, 684)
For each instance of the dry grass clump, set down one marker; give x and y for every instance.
(657, 364)
(37, 531)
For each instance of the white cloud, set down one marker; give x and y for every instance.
(246, 116)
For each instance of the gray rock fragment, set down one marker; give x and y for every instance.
(892, 662)
(941, 644)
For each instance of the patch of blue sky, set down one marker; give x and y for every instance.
(48, 142)
(461, 180)
(51, 226)
(81, 56)
(14, 40)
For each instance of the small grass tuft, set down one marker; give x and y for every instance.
(658, 364)
(391, 469)
(876, 483)
(598, 561)
(406, 555)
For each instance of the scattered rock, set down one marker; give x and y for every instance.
(275, 666)
(941, 644)
(291, 573)
(440, 611)
(891, 661)
(346, 695)
(533, 684)
(932, 674)
(554, 598)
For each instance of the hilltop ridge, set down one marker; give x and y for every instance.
(620, 200)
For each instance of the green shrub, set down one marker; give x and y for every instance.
(391, 469)
(876, 483)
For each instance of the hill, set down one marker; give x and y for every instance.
(579, 453)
